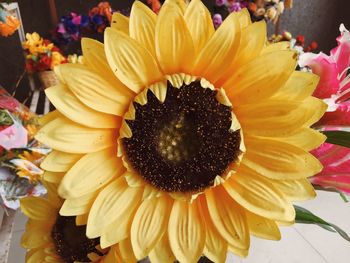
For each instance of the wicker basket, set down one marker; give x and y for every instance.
(47, 79)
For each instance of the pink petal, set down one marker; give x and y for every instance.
(325, 67)
(341, 53)
(340, 117)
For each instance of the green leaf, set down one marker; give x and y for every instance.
(341, 138)
(304, 216)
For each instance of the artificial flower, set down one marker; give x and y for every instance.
(56, 59)
(334, 88)
(50, 237)
(35, 44)
(180, 139)
(9, 26)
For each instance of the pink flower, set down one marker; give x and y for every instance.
(334, 89)
(76, 19)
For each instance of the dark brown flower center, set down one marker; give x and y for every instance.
(71, 242)
(184, 143)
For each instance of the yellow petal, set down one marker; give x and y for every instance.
(133, 64)
(253, 39)
(49, 117)
(113, 256)
(35, 235)
(142, 26)
(95, 59)
(78, 206)
(238, 251)
(149, 225)
(174, 45)
(260, 78)
(64, 135)
(283, 45)
(179, 3)
(296, 190)
(126, 251)
(81, 220)
(279, 160)
(305, 138)
(53, 177)
(120, 22)
(263, 227)
(52, 195)
(199, 23)
(215, 246)
(244, 18)
(116, 232)
(90, 173)
(299, 86)
(258, 195)
(73, 109)
(38, 209)
(281, 117)
(186, 231)
(37, 256)
(115, 202)
(58, 161)
(219, 51)
(162, 253)
(93, 90)
(229, 218)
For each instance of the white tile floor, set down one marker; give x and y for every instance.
(299, 244)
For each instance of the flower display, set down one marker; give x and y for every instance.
(171, 156)
(8, 23)
(101, 16)
(334, 89)
(41, 54)
(20, 154)
(70, 28)
(259, 9)
(50, 237)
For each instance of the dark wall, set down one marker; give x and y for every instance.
(316, 19)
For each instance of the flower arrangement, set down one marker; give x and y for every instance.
(158, 152)
(20, 153)
(297, 43)
(269, 10)
(41, 54)
(8, 23)
(70, 28)
(334, 89)
(101, 16)
(164, 154)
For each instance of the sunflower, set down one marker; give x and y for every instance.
(50, 237)
(175, 140)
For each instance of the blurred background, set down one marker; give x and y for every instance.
(317, 20)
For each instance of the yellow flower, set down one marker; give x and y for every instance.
(57, 59)
(35, 45)
(75, 59)
(52, 238)
(178, 140)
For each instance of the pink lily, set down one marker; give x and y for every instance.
(334, 89)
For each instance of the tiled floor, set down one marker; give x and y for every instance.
(299, 244)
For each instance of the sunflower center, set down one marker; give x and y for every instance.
(71, 242)
(183, 143)
(178, 139)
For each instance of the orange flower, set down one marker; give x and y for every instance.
(10, 26)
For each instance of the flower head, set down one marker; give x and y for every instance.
(178, 138)
(8, 27)
(334, 89)
(50, 237)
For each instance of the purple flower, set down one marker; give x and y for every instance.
(220, 2)
(217, 20)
